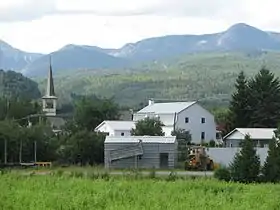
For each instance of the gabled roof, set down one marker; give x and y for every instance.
(167, 108)
(145, 139)
(255, 133)
(117, 125)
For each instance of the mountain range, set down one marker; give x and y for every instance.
(239, 37)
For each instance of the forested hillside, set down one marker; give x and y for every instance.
(15, 85)
(203, 76)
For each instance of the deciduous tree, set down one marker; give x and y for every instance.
(149, 127)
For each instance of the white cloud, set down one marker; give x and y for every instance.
(46, 25)
(25, 10)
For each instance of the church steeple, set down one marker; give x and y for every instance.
(50, 86)
(49, 100)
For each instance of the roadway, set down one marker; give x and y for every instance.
(144, 173)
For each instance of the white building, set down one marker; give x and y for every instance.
(260, 136)
(182, 115)
(115, 128)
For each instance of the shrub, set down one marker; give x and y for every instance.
(222, 174)
(172, 176)
(152, 174)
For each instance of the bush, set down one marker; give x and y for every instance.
(152, 174)
(222, 174)
(172, 176)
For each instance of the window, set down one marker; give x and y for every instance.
(186, 120)
(202, 135)
(202, 120)
(122, 134)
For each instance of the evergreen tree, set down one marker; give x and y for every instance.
(264, 100)
(239, 114)
(246, 164)
(271, 168)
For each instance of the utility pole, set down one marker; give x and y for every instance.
(20, 151)
(5, 151)
(35, 151)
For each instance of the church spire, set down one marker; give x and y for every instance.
(50, 86)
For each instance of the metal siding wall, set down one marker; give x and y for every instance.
(225, 156)
(150, 158)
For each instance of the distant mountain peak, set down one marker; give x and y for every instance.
(243, 27)
(4, 44)
(238, 37)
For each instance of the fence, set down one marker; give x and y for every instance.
(224, 156)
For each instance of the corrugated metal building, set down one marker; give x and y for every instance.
(140, 152)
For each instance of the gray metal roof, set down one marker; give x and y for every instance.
(118, 125)
(145, 139)
(167, 108)
(255, 133)
(50, 85)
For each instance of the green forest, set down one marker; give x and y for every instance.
(208, 77)
(14, 85)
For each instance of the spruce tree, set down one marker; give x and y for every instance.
(239, 114)
(271, 168)
(264, 100)
(246, 164)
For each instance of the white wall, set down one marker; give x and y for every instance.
(225, 156)
(195, 113)
(166, 119)
(167, 130)
(107, 129)
(119, 133)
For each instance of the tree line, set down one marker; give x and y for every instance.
(76, 144)
(255, 103)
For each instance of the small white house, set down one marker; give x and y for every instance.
(260, 136)
(182, 115)
(115, 128)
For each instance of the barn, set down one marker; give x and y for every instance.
(140, 152)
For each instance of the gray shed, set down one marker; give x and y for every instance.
(140, 152)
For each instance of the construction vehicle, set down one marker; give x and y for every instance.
(198, 159)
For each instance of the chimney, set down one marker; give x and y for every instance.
(131, 113)
(151, 102)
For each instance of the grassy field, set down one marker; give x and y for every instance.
(77, 192)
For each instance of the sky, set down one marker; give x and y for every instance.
(47, 25)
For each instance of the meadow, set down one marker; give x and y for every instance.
(76, 191)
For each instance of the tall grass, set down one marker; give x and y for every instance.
(101, 191)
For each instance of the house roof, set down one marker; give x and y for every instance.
(145, 139)
(117, 125)
(167, 108)
(255, 133)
